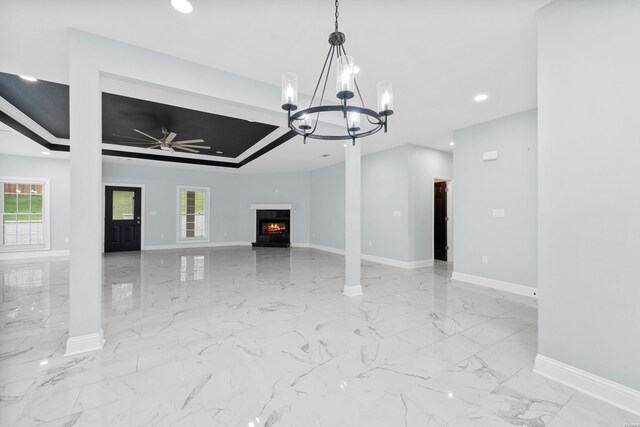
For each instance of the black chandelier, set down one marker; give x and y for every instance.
(305, 121)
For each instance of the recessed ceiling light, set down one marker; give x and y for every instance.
(326, 155)
(46, 153)
(452, 143)
(218, 152)
(28, 78)
(481, 97)
(182, 6)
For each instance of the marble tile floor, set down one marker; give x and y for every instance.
(242, 337)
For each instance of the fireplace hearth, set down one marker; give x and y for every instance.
(273, 228)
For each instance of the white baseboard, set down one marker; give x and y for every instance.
(408, 265)
(189, 245)
(352, 291)
(84, 343)
(33, 254)
(300, 245)
(601, 388)
(496, 284)
(380, 260)
(326, 249)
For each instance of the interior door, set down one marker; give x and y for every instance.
(122, 219)
(440, 220)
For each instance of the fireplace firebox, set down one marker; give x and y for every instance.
(273, 228)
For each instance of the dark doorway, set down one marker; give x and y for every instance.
(440, 220)
(122, 219)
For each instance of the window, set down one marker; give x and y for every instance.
(24, 210)
(193, 213)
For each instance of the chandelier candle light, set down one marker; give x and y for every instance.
(305, 121)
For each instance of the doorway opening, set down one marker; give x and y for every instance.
(442, 226)
(122, 218)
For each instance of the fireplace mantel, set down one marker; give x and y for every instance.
(271, 206)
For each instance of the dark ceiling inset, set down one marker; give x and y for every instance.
(46, 103)
(121, 114)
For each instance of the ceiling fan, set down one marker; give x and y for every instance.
(167, 142)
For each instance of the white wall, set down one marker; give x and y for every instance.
(589, 206)
(58, 173)
(508, 183)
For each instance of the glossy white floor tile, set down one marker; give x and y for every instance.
(242, 337)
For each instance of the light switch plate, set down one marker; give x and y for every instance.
(489, 155)
(497, 213)
(396, 213)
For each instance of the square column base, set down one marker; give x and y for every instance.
(85, 343)
(352, 291)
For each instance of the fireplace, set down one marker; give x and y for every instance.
(273, 228)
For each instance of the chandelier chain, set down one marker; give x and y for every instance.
(337, 14)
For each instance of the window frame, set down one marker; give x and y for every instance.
(207, 214)
(46, 214)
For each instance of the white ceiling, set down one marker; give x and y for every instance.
(438, 53)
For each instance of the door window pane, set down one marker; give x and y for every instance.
(123, 202)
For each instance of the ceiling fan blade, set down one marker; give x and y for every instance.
(147, 135)
(189, 141)
(170, 137)
(133, 137)
(180, 147)
(133, 142)
(154, 146)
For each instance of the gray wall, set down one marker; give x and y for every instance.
(398, 179)
(58, 173)
(327, 217)
(508, 183)
(589, 206)
(424, 166)
(231, 194)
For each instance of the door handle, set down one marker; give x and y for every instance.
(137, 222)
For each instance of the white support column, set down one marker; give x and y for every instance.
(352, 286)
(85, 307)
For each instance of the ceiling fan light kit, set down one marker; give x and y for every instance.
(360, 121)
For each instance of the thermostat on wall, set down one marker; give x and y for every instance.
(489, 155)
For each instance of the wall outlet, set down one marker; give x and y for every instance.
(313, 235)
(162, 236)
(225, 234)
(497, 213)
(276, 190)
(370, 243)
(485, 259)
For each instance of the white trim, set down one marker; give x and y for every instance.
(326, 249)
(352, 291)
(188, 245)
(207, 214)
(408, 265)
(33, 254)
(29, 123)
(496, 284)
(46, 214)
(271, 206)
(601, 388)
(142, 211)
(84, 343)
(300, 245)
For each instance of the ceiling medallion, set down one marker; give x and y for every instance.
(359, 120)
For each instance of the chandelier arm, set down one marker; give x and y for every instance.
(329, 55)
(324, 88)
